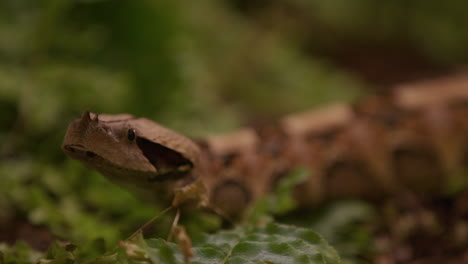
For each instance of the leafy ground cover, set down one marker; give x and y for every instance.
(272, 243)
(179, 64)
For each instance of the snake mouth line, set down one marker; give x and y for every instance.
(74, 147)
(77, 149)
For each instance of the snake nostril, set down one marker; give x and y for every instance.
(90, 154)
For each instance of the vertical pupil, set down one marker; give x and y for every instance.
(131, 134)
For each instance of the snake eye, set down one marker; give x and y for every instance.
(131, 134)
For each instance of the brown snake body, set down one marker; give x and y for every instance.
(414, 139)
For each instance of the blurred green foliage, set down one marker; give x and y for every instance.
(280, 201)
(198, 68)
(272, 243)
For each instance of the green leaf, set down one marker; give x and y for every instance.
(273, 243)
(281, 200)
(347, 226)
(59, 253)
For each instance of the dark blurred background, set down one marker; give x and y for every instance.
(199, 68)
